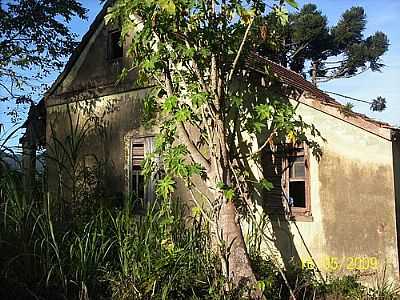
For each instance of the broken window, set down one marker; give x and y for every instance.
(286, 168)
(137, 179)
(115, 49)
(141, 189)
(296, 179)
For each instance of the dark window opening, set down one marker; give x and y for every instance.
(115, 49)
(297, 193)
(138, 183)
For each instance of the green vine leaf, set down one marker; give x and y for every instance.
(265, 184)
(165, 187)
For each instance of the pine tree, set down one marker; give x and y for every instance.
(307, 44)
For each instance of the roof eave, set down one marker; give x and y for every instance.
(75, 55)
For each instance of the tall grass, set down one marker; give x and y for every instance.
(159, 256)
(162, 253)
(113, 254)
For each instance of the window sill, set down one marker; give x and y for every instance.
(295, 217)
(301, 218)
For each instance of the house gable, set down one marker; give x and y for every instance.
(333, 196)
(91, 71)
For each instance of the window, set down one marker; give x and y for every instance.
(297, 181)
(137, 185)
(287, 169)
(115, 49)
(137, 179)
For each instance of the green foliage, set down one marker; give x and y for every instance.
(347, 287)
(347, 109)
(81, 175)
(180, 46)
(165, 187)
(115, 254)
(34, 40)
(215, 114)
(41, 258)
(265, 184)
(307, 285)
(378, 104)
(159, 255)
(161, 258)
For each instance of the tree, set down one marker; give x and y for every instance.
(215, 116)
(34, 40)
(308, 45)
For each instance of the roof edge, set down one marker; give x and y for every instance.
(77, 52)
(253, 61)
(358, 121)
(322, 101)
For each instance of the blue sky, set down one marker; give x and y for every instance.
(382, 15)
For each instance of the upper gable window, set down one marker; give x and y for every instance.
(115, 49)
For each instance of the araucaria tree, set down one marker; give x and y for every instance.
(308, 45)
(34, 40)
(215, 115)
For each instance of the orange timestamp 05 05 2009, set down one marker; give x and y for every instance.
(349, 263)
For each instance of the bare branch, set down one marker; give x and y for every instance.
(298, 50)
(240, 49)
(268, 140)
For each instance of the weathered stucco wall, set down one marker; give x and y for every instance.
(89, 85)
(353, 223)
(94, 69)
(119, 117)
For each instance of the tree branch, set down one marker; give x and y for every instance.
(240, 50)
(193, 150)
(197, 156)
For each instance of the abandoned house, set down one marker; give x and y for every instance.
(345, 211)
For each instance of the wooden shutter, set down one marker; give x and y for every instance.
(273, 171)
(137, 154)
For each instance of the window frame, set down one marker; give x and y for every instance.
(109, 45)
(149, 186)
(297, 151)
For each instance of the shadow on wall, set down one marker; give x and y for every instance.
(80, 168)
(274, 224)
(275, 220)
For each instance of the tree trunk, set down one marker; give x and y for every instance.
(314, 73)
(238, 267)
